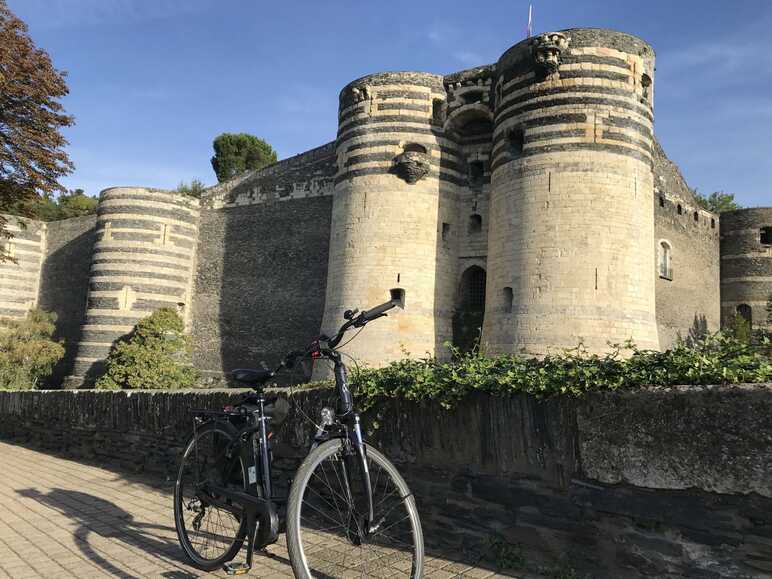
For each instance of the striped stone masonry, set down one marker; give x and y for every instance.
(746, 266)
(571, 237)
(386, 219)
(144, 259)
(20, 275)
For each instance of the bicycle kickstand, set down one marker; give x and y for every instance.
(243, 568)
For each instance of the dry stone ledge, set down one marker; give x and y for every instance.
(664, 483)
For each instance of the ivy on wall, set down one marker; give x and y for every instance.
(713, 359)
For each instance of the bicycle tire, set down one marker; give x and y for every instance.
(324, 546)
(232, 547)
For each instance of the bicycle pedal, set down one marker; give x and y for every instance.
(236, 568)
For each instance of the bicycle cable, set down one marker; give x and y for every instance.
(349, 356)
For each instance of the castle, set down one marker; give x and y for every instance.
(529, 198)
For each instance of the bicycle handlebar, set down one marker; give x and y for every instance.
(357, 321)
(378, 311)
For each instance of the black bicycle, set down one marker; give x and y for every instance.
(349, 511)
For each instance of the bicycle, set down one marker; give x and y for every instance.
(348, 512)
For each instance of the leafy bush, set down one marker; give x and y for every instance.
(713, 359)
(195, 188)
(27, 352)
(154, 356)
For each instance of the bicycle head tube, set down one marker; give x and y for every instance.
(345, 399)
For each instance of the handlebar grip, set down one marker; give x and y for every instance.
(378, 310)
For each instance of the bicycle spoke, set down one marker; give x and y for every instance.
(210, 531)
(345, 548)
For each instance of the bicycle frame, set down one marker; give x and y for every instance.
(353, 433)
(259, 507)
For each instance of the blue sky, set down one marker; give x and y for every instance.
(152, 82)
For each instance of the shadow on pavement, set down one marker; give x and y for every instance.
(106, 519)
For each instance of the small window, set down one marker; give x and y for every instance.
(679, 209)
(398, 295)
(712, 223)
(665, 261)
(476, 172)
(508, 299)
(516, 140)
(696, 216)
(765, 235)
(438, 113)
(475, 223)
(414, 148)
(445, 231)
(661, 201)
(645, 84)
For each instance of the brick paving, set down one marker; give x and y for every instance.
(61, 518)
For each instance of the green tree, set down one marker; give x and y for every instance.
(195, 188)
(154, 356)
(32, 156)
(76, 204)
(49, 208)
(717, 202)
(27, 352)
(235, 153)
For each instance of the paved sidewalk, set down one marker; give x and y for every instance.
(60, 518)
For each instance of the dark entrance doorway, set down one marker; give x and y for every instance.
(470, 309)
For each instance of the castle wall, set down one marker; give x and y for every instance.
(64, 283)
(541, 170)
(143, 260)
(309, 174)
(262, 265)
(687, 299)
(571, 236)
(395, 187)
(260, 282)
(20, 279)
(746, 265)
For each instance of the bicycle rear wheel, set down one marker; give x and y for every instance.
(325, 521)
(211, 530)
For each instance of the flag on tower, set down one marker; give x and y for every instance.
(529, 30)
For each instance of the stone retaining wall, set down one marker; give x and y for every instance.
(665, 483)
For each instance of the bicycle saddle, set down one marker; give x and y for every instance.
(252, 377)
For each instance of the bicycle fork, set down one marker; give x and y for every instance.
(356, 457)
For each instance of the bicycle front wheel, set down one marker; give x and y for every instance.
(326, 534)
(211, 529)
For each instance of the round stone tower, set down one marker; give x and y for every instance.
(571, 234)
(143, 260)
(394, 169)
(746, 266)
